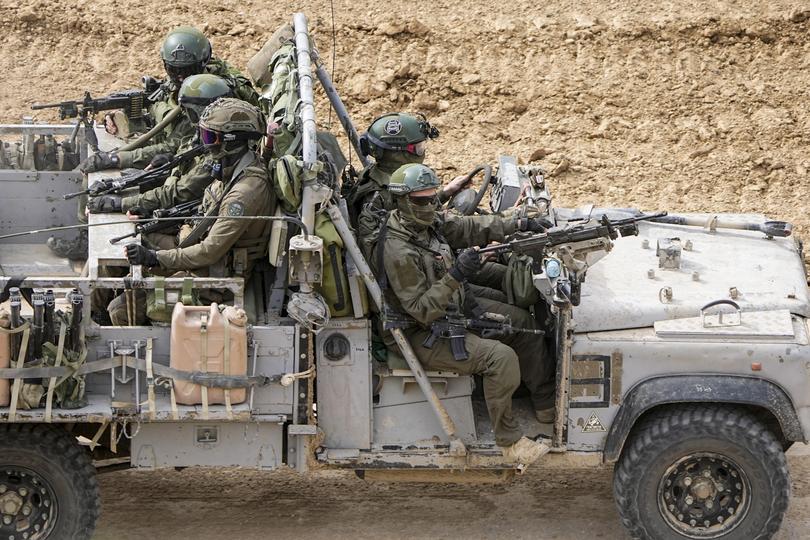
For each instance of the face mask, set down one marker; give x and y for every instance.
(419, 216)
(391, 161)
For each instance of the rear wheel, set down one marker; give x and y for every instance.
(702, 472)
(48, 486)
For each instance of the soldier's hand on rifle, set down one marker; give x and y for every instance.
(467, 264)
(136, 212)
(100, 161)
(159, 161)
(106, 204)
(137, 254)
(534, 224)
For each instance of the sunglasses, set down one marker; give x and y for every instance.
(425, 201)
(210, 138)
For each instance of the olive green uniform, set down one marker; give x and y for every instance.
(182, 129)
(186, 183)
(250, 195)
(232, 246)
(421, 287)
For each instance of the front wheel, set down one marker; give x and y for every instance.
(48, 486)
(702, 472)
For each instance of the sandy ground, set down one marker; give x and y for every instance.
(542, 504)
(685, 105)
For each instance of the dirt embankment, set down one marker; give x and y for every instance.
(692, 106)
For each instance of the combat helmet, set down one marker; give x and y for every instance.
(228, 124)
(412, 178)
(398, 132)
(185, 52)
(418, 210)
(199, 91)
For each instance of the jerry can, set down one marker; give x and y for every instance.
(199, 336)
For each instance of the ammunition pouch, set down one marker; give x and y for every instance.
(518, 283)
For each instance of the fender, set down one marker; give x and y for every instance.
(701, 388)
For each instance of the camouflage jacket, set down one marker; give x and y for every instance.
(418, 280)
(186, 182)
(231, 245)
(179, 131)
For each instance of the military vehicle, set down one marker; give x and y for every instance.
(682, 356)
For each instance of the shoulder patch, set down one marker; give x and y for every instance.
(236, 209)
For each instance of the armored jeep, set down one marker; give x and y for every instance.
(682, 358)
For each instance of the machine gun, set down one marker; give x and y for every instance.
(132, 102)
(187, 209)
(560, 255)
(453, 326)
(116, 185)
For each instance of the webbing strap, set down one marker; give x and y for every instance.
(150, 379)
(186, 295)
(60, 349)
(226, 366)
(160, 293)
(175, 414)
(15, 389)
(204, 360)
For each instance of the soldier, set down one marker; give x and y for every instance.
(188, 181)
(425, 278)
(393, 140)
(226, 246)
(185, 52)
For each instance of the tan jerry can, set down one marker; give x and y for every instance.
(199, 334)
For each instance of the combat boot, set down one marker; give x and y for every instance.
(545, 416)
(525, 451)
(69, 249)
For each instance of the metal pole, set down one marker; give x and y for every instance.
(456, 445)
(307, 116)
(340, 108)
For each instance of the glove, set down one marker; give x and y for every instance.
(137, 254)
(139, 212)
(104, 204)
(159, 161)
(534, 224)
(100, 161)
(467, 264)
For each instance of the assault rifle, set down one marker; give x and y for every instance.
(536, 245)
(187, 209)
(116, 185)
(453, 326)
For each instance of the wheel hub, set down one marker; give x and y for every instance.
(704, 495)
(27, 505)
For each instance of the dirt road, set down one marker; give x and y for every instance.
(246, 505)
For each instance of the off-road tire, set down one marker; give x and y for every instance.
(56, 456)
(672, 434)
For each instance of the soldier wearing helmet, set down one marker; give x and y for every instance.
(185, 52)
(393, 140)
(425, 278)
(242, 188)
(187, 181)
